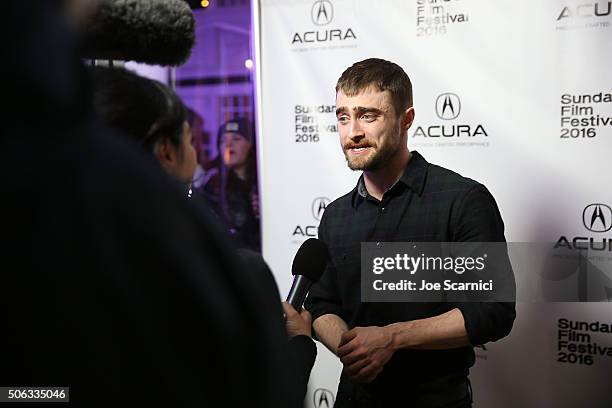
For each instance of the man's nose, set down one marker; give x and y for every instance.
(355, 130)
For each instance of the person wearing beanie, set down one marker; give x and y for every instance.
(233, 190)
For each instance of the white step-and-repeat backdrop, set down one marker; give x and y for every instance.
(531, 87)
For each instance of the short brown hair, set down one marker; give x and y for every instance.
(383, 75)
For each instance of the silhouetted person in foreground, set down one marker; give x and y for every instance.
(103, 287)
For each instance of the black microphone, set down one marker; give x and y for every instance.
(157, 32)
(308, 266)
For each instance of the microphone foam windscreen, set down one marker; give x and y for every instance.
(158, 32)
(311, 259)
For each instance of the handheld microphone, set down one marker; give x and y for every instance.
(156, 32)
(308, 266)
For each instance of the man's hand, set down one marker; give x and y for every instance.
(364, 351)
(297, 323)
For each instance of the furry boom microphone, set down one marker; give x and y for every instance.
(159, 32)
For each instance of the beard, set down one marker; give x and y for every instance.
(376, 159)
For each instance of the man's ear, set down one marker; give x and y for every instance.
(408, 118)
(166, 153)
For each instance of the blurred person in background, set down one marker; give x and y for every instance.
(233, 190)
(200, 139)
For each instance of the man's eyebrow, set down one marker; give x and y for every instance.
(364, 109)
(360, 109)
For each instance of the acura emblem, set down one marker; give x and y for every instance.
(448, 106)
(322, 12)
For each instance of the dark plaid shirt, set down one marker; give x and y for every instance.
(428, 204)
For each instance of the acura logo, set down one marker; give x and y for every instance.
(448, 106)
(322, 12)
(318, 207)
(597, 217)
(323, 398)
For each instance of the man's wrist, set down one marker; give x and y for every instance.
(400, 335)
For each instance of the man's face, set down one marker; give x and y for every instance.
(370, 130)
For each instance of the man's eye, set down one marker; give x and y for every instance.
(368, 117)
(343, 119)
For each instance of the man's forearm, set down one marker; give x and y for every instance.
(329, 329)
(444, 331)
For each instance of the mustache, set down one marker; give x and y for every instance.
(351, 145)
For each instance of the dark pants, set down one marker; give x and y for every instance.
(445, 393)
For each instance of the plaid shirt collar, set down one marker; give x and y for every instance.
(414, 178)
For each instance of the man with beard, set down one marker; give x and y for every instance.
(399, 354)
